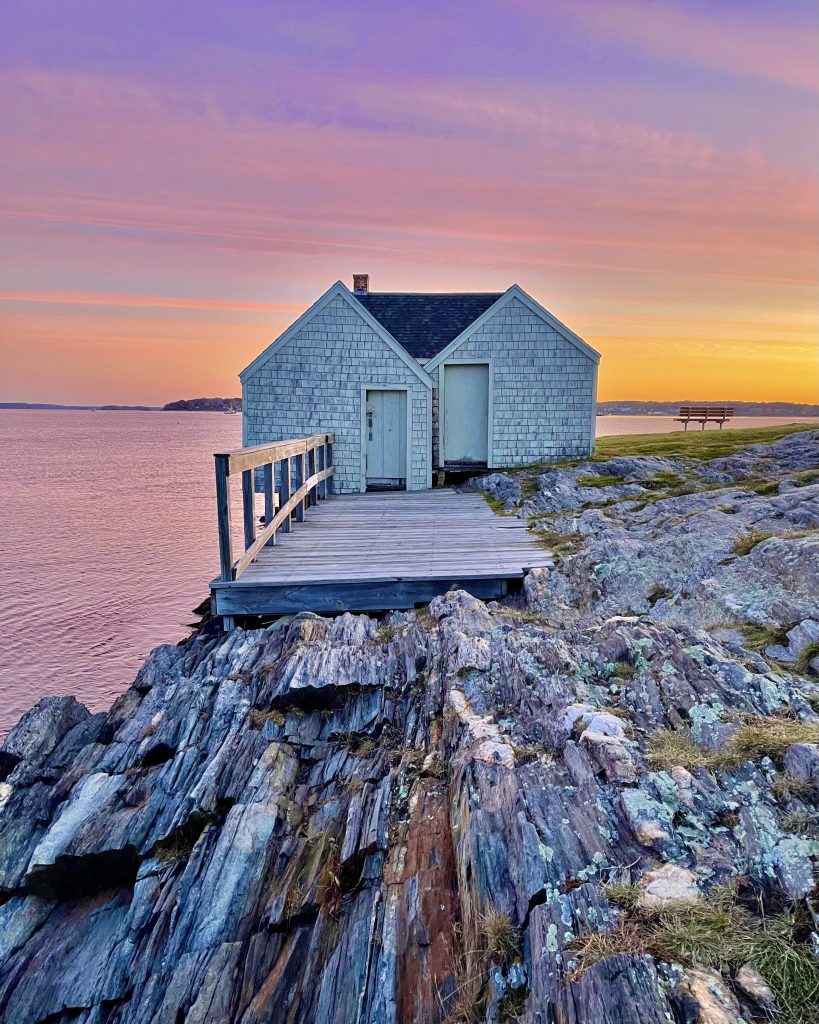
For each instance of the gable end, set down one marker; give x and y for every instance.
(516, 292)
(338, 290)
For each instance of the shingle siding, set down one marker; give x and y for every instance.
(314, 383)
(543, 388)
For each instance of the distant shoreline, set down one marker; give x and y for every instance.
(619, 408)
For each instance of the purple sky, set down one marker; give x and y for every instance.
(180, 180)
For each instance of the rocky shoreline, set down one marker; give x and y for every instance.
(593, 803)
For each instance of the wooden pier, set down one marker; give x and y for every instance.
(356, 552)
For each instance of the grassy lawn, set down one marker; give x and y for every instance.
(695, 444)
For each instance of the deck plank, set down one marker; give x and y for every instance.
(388, 547)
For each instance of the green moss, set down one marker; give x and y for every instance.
(496, 504)
(757, 637)
(805, 477)
(763, 487)
(623, 670)
(598, 481)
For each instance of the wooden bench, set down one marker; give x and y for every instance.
(704, 414)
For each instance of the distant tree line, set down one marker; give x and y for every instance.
(672, 408)
(205, 405)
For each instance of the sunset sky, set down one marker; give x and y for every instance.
(180, 179)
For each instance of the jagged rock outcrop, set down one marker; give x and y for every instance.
(467, 812)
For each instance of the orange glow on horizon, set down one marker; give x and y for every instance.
(653, 183)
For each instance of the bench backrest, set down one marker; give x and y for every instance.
(707, 411)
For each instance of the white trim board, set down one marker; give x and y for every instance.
(338, 290)
(514, 292)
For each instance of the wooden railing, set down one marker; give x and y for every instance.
(305, 467)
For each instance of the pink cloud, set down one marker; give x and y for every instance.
(736, 42)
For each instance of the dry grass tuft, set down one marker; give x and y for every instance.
(803, 666)
(758, 737)
(802, 823)
(384, 633)
(499, 938)
(671, 748)
(748, 540)
(719, 933)
(623, 894)
(498, 941)
(256, 717)
(561, 545)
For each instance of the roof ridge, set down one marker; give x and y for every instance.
(359, 295)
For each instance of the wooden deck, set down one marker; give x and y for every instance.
(372, 552)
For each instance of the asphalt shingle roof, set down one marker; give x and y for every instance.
(426, 323)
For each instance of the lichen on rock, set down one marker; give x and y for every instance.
(429, 819)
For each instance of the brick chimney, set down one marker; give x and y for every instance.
(361, 283)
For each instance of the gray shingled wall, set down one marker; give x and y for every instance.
(313, 383)
(543, 388)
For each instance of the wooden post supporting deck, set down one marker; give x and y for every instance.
(284, 490)
(321, 486)
(223, 516)
(268, 497)
(312, 499)
(328, 448)
(247, 507)
(299, 474)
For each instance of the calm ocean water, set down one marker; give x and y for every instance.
(108, 541)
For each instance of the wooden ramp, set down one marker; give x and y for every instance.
(372, 552)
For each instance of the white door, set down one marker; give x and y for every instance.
(386, 439)
(466, 413)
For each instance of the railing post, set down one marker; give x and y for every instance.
(328, 465)
(284, 490)
(312, 499)
(223, 516)
(268, 498)
(299, 474)
(247, 507)
(321, 488)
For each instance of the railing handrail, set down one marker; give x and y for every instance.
(270, 529)
(313, 459)
(256, 455)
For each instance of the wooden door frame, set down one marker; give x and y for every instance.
(490, 407)
(384, 387)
